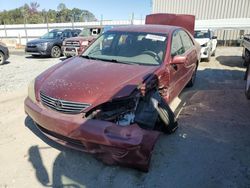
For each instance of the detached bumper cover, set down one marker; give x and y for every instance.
(128, 146)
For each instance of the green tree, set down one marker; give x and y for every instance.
(30, 13)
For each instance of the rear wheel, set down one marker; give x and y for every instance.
(2, 58)
(248, 83)
(56, 52)
(246, 58)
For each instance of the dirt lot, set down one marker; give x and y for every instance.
(211, 148)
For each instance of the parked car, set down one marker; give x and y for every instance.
(208, 42)
(114, 100)
(4, 53)
(76, 45)
(50, 43)
(246, 57)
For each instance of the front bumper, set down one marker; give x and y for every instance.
(71, 50)
(37, 50)
(128, 146)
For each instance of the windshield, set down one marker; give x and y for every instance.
(85, 33)
(129, 47)
(201, 34)
(52, 35)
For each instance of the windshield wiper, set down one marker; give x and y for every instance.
(88, 57)
(110, 60)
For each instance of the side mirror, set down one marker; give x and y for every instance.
(214, 37)
(179, 60)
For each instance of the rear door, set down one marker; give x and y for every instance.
(180, 74)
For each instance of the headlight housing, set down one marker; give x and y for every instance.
(31, 91)
(119, 111)
(64, 42)
(43, 45)
(84, 43)
(204, 45)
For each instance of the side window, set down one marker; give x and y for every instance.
(176, 47)
(66, 34)
(107, 41)
(186, 40)
(75, 33)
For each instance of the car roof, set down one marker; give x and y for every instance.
(62, 30)
(146, 28)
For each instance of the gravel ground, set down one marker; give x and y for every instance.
(20, 69)
(211, 148)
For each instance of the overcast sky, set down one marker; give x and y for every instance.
(110, 9)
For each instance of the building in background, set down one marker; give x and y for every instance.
(207, 10)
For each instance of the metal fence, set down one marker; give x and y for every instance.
(22, 33)
(229, 31)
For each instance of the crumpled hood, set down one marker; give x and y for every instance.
(91, 81)
(202, 41)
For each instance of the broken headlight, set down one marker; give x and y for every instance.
(121, 112)
(204, 45)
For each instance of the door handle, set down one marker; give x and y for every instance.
(175, 67)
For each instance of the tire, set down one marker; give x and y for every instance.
(246, 58)
(193, 78)
(247, 92)
(2, 58)
(209, 56)
(56, 52)
(168, 123)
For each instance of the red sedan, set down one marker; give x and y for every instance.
(112, 100)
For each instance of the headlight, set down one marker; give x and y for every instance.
(31, 91)
(43, 45)
(64, 43)
(204, 45)
(84, 43)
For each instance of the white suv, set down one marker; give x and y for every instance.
(208, 42)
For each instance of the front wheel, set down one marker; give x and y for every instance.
(56, 52)
(2, 58)
(247, 92)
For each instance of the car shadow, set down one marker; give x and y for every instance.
(38, 57)
(5, 63)
(64, 58)
(231, 61)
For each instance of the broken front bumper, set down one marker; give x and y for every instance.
(129, 146)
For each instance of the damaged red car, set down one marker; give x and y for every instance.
(112, 101)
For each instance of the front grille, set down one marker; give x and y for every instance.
(73, 43)
(62, 105)
(31, 45)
